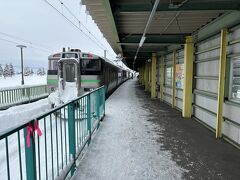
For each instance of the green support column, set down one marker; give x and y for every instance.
(153, 78)
(30, 158)
(71, 133)
(221, 81)
(146, 76)
(188, 77)
(174, 79)
(89, 124)
(162, 77)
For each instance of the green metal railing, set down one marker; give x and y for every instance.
(18, 95)
(65, 132)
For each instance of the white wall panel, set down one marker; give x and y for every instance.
(179, 103)
(209, 68)
(205, 102)
(232, 112)
(205, 117)
(207, 85)
(231, 131)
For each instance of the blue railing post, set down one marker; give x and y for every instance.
(30, 158)
(89, 118)
(71, 131)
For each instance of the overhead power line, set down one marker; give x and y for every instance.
(95, 40)
(72, 23)
(29, 43)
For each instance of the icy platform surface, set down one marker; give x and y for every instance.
(126, 146)
(144, 139)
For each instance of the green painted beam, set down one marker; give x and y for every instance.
(188, 6)
(225, 21)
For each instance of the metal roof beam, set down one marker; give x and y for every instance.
(189, 6)
(154, 38)
(144, 49)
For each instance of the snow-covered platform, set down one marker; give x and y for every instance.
(142, 138)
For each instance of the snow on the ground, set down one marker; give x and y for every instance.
(126, 145)
(28, 80)
(70, 92)
(17, 115)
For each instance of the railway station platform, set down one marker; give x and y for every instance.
(143, 138)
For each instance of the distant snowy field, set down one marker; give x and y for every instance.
(28, 80)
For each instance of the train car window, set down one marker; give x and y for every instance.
(69, 55)
(90, 66)
(52, 72)
(54, 65)
(70, 72)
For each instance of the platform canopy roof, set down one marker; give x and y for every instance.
(123, 22)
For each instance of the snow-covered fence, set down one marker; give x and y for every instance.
(18, 95)
(48, 147)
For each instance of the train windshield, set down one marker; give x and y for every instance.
(90, 66)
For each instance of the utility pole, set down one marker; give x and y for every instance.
(21, 48)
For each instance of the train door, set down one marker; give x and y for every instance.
(69, 81)
(70, 73)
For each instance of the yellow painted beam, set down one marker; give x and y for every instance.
(188, 77)
(174, 79)
(146, 76)
(162, 77)
(153, 78)
(221, 82)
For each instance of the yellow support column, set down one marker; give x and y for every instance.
(149, 77)
(174, 79)
(146, 76)
(162, 77)
(188, 77)
(221, 81)
(143, 75)
(153, 79)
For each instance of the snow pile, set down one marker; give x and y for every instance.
(54, 98)
(69, 93)
(18, 115)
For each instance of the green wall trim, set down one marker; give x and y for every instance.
(227, 20)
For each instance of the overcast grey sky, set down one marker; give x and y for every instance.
(37, 22)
